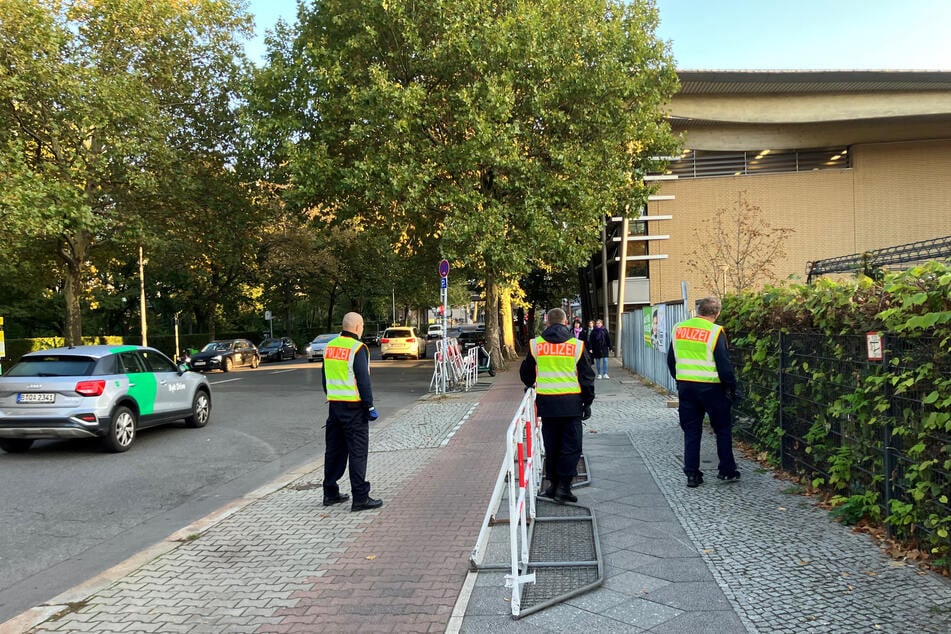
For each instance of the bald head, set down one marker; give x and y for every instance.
(557, 316)
(353, 322)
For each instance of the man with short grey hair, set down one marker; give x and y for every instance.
(346, 381)
(698, 358)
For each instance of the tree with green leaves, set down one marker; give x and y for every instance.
(100, 102)
(494, 134)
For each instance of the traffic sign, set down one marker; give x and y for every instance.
(444, 268)
(443, 283)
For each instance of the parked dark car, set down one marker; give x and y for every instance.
(371, 340)
(225, 355)
(469, 338)
(277, 349)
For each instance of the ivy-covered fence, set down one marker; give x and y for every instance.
(874, 434)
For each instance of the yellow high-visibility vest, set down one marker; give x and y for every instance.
(694, 341)
(556, 371)
(338, 369)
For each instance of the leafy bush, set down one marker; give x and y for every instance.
(876, 436)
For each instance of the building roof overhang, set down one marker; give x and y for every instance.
(733, 110)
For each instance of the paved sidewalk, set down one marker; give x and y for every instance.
(750, 556)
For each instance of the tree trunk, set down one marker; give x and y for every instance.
(331, 302)
(73, 253)
(508, 334)
(492, 320)
(212, 309)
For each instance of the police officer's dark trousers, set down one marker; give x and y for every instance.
(697, 399)
(563, 437)
(347, 440)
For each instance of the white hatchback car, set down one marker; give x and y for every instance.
(402, 341)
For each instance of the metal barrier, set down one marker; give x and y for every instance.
(522, 469)
(451, 372)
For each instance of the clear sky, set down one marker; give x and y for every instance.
(771, 34)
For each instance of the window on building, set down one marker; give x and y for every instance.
(703, 163)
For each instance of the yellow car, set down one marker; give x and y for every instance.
(402, 341)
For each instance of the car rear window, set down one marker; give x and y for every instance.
(398, 333)
(53, 365)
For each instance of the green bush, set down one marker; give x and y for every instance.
(903, 403)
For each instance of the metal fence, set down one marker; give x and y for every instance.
(820, 408)
(647, 355)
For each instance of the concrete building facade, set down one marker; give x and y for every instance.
(850, 161)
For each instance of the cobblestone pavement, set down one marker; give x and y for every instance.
(750, 556)
(785, 565)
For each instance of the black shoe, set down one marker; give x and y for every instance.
(564, 494)
(547, 493)
(694, 480)
(729, 477)
(366, 505)
(337, 499)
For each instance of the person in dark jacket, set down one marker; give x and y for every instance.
(564, 381)
(346, 381)
(698, 358)
(600, 343)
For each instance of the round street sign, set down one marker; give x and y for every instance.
(444, 268)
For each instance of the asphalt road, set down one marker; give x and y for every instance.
(71, 511)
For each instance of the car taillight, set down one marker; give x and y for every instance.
(411, 340)
(384, 340)
(91, 388)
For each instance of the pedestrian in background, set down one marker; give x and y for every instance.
(346, 381)
(600, 343)
(564, 390)
(698, 358)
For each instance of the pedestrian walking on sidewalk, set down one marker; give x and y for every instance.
(564, 390)
(698, 358)
(599, 340)
(346, 381)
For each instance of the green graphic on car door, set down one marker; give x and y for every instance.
(143, 388)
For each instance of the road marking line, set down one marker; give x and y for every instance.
(280, 371)
(224, 381)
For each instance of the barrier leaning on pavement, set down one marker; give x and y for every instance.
(452, 368)
(524, 454)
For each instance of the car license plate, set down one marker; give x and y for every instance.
(198, 364)
(36, 397)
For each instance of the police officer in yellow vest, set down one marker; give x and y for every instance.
(563, 379)
(346, 381)
(699, 359)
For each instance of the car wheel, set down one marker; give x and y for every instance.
(201, 410)
(16, 445)
(226, 365)
(310, 359)
(121, 433)
(255, 362)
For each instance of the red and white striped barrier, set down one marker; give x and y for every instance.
(522, 469)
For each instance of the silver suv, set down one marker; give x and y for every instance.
(108, 392)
